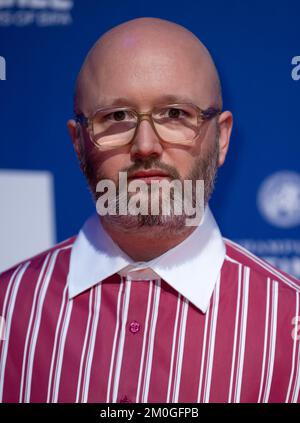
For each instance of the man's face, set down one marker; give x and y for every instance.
(143, 81)
(143, 78)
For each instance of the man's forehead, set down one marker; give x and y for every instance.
(145, 90)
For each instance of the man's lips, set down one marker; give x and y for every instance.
(148, 175)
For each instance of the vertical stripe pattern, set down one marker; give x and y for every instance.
(123, 340)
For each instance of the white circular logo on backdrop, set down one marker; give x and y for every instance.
(278, 199)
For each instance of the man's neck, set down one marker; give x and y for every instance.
(147, 243)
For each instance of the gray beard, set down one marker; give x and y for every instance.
(161, 225)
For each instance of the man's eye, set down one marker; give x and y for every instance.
(118, 116)
(174, 113)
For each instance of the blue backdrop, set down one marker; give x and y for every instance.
(256, 48)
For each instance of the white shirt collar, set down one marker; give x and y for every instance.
(191, 268)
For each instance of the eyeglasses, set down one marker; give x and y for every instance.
(113, 127)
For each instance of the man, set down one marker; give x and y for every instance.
(142, 307)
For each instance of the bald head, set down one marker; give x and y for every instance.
(143, 59)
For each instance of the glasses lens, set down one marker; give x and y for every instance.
(178, 124)
(113, 127)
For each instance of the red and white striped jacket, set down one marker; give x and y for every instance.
(121, 339)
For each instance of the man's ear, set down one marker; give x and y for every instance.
(76, 137)
(225, 127)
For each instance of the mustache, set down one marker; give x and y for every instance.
(151, 163)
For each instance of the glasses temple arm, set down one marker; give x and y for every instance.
(81, 119)
(210, 113)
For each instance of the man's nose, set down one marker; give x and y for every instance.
(146, 142)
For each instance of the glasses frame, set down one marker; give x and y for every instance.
(203, 115)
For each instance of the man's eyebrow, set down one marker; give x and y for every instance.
(163, 99)
(172, 98)
(119, 101)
